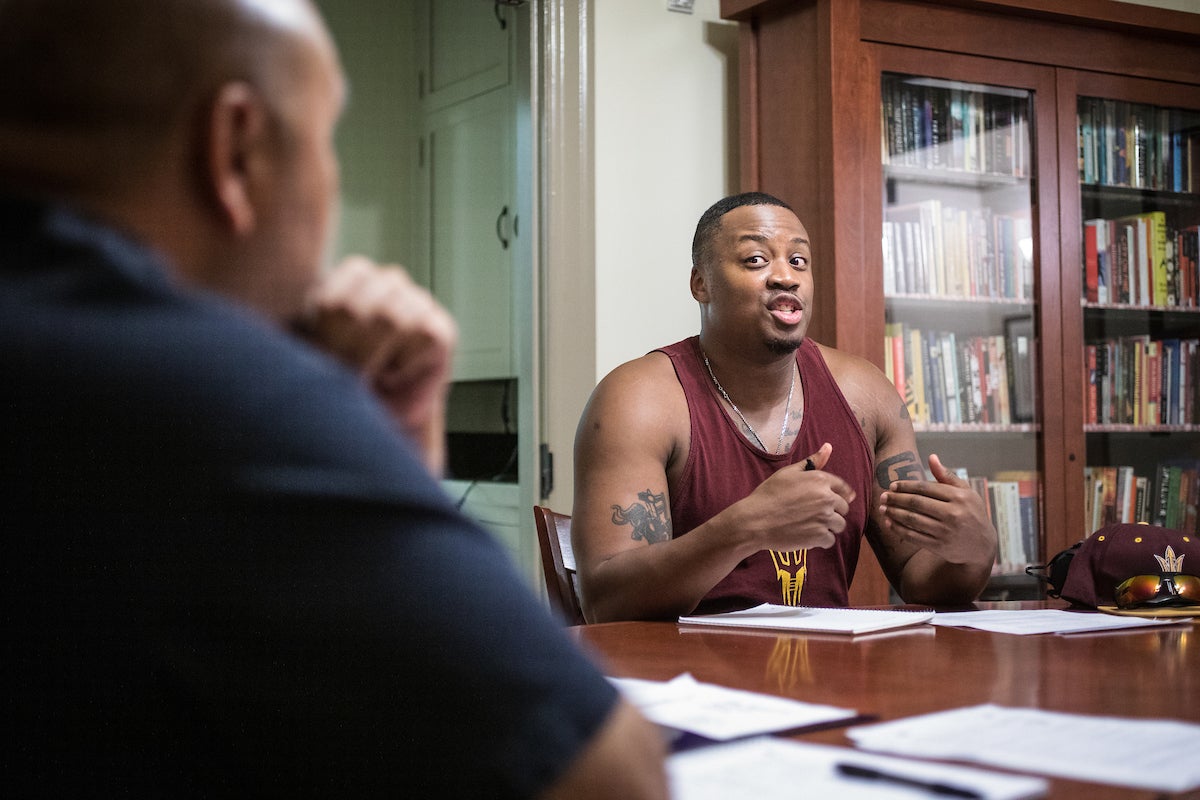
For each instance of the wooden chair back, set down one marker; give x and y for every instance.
(558, 563)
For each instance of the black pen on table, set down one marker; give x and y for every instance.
(933, 787)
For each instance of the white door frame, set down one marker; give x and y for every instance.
(565, 289)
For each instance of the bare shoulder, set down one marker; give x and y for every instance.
(859, 379)
(641, 398)
(871, 396)
(647, 383)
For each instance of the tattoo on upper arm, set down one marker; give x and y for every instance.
(903, 410)
(650, 519)
(900, 467)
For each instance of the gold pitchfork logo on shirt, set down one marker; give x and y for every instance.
(791, 567)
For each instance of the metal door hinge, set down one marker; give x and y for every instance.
(546, 469)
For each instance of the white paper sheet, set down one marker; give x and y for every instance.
(1160, 755)
(760, 768)
(812, 620)
(720, 713)
(1025, 622)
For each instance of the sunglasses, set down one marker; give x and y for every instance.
(1164, 589)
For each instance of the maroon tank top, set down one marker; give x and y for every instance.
(723, 467)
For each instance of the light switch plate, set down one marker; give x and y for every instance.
(682, 6)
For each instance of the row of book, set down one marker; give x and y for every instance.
(1012, 501)
(1169, 495)
(954, 379)
(1139, 146)
(1141, 260)
(1137, 380)
(936, 249)
(941, 125)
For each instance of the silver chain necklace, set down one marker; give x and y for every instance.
(786, 410)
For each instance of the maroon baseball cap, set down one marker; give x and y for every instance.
(1120, 551)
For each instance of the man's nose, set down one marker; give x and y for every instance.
(782, 276)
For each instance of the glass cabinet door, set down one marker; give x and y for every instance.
(1139, 203)
(961, 317)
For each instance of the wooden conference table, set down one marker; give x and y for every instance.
(1151, 673)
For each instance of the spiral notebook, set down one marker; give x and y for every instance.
(812, 620)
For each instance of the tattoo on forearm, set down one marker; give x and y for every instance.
(900, 467)
(649, 519)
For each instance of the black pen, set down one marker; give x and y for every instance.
(933, 787)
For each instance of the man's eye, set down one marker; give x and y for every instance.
(756, 260)
(799, 261)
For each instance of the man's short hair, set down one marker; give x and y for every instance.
(710, 220)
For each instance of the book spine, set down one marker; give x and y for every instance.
(1172, 515)
(1142, 499)
(1119, 261)
(1171, 266)
(1028, 497)
(1162, 495)
(1146, 287)
(1158, 254)
(1126, 489)
(968, 372)
(896, 340)
(1153, 382)
(1091, 261)
(937, 378)
(916, 356)
(1090, 385)
(953, 399)
(1097, 501)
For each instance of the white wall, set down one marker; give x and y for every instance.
(665, 149)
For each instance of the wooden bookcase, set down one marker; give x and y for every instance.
(813, 77)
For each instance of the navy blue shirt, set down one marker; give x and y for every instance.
(225, 571)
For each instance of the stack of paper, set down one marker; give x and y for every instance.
(720, 713)
(1159, 755)
(754, 769)
(813, 620)
(1046, 620)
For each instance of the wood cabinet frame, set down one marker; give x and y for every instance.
(810, 131)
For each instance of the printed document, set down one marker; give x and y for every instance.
(720, 713)
(1026, 622)
(1154, 754)
(763, 767)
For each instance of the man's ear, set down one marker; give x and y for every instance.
(699, 287)
(239, 136)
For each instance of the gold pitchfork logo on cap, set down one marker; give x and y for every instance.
(1169, 561)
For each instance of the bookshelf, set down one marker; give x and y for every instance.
(1135, 190)
(960, 302)
(954, 162)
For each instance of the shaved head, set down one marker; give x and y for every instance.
(201, 128)
(122, 75)
(710, 222)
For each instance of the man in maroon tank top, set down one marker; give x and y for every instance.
(745, 465)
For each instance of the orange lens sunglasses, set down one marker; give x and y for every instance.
(1164, 589)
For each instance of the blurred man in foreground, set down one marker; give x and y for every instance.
(228, 566)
